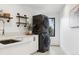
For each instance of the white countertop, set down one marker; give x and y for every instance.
(14, 36)
(13, 44)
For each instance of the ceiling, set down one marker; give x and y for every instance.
(54, 8)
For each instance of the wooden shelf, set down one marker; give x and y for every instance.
(19, 18)
(6, 17)
(22, 17)
(21, 23)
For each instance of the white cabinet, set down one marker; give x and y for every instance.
(28, 45)
(32, 46)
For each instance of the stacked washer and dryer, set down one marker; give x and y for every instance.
(40, 27)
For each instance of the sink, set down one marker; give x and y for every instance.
(9, 41)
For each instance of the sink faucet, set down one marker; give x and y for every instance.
(3, 26)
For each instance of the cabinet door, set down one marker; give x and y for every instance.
(19, 49)
(33, 45)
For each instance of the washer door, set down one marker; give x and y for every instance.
(46, 41)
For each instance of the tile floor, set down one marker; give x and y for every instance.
(54, 50)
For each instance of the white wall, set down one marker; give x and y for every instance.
(11, 27)
(54, 40)
(14, 9)
(69, 37)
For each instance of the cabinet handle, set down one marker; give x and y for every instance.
(34, 39)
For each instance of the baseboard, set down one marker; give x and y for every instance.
(33, 53)
(55, 45)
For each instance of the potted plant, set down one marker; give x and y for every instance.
(30, 29)
(50, 31)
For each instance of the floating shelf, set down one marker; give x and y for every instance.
(6, 18)
(19, 18)
(22, 17)
(21, 23)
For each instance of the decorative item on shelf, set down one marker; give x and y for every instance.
(6, 16)
(19, 22)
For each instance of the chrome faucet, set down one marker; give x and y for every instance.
(3, 26)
